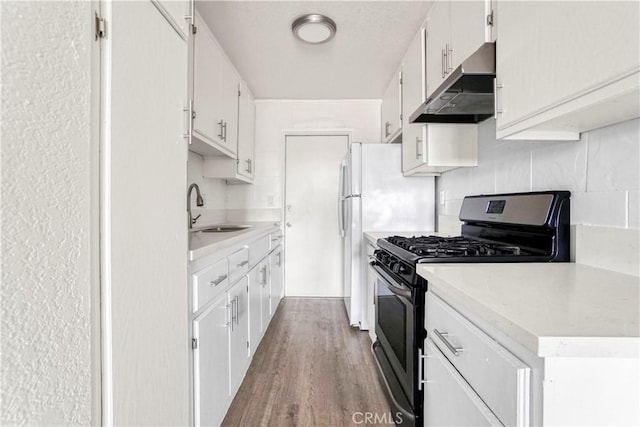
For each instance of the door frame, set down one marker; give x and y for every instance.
(348, 132)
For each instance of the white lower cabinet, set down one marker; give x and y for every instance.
(277, 279)
(265, 297)
(259, 295)
(211, 363)
(238, 299)
(232, 306)
(471, 379)
(448, 399)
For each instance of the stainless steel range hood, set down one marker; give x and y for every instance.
(466, 96)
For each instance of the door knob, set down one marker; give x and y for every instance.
(288, 224)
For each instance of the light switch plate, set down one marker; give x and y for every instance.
(443, 197)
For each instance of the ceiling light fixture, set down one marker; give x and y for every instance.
(314, 28)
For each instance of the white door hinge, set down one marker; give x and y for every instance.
(101, 27)
(194, 343)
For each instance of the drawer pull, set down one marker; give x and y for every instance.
(242, 264)
(442, 336)
(219, 280)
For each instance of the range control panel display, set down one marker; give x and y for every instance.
(495, 206)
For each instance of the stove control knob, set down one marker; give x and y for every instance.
(396, 267)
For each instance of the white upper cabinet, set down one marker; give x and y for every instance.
(429, 149)
(438, 38)
(215, 96)
(240, 170)
(565, 67)
(392, 109)
(246, 133)
(455, 29)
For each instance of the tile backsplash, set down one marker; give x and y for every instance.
(601, 170)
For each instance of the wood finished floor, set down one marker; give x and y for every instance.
(311, 369)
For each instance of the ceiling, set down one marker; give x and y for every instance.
(358, 63)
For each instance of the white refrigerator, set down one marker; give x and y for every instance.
(374, 196)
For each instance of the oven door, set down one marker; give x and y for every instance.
(394, 328)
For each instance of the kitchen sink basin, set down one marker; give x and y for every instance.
(224, 228)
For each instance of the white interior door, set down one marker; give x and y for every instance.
(313, 265)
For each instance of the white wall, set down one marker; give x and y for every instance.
(214, 193)
(601, 170)
(263, 200)
(46, 213)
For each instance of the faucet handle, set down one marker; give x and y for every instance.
(193, 220)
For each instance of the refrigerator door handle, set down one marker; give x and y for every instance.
(341, 198)
(341, 230)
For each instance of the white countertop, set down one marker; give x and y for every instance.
(553, 309)
(202, 244)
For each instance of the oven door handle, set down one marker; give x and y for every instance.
(388, 281)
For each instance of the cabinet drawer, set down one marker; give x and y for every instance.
(258, 250)
(209, 282)
(238, 264)
(499, 378)
(448, 399)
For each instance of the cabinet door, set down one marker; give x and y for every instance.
(239, 335)
(468, 29)
(438, 39)
(246, 132)
(413, 83)
(392, 108)
(265, 297)
(145, 254)
(413, 140)
(207, 59)
(276, 279)
(414, 137)
(448, 399)
(211, 363)
(557, 61)
(255, 309)
(229, 91)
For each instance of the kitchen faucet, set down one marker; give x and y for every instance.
(199, 202)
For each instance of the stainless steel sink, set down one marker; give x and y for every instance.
(223, 228)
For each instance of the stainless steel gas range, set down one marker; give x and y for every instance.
(516, 227)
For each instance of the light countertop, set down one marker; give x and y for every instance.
(202, 244)
(552, 309)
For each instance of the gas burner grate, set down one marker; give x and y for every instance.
(434, 246)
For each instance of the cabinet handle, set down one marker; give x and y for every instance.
(279, 259)
(387, 125)
(442, 62)
(242, 264)
(418, 151)
(263, 276)
(421, 358)
(236, 301)
(249, 165)
(224, 128)
(221, 134)
(219, 280)
(449, 59)
(496, 110)
(229, 308)
(442, 336)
